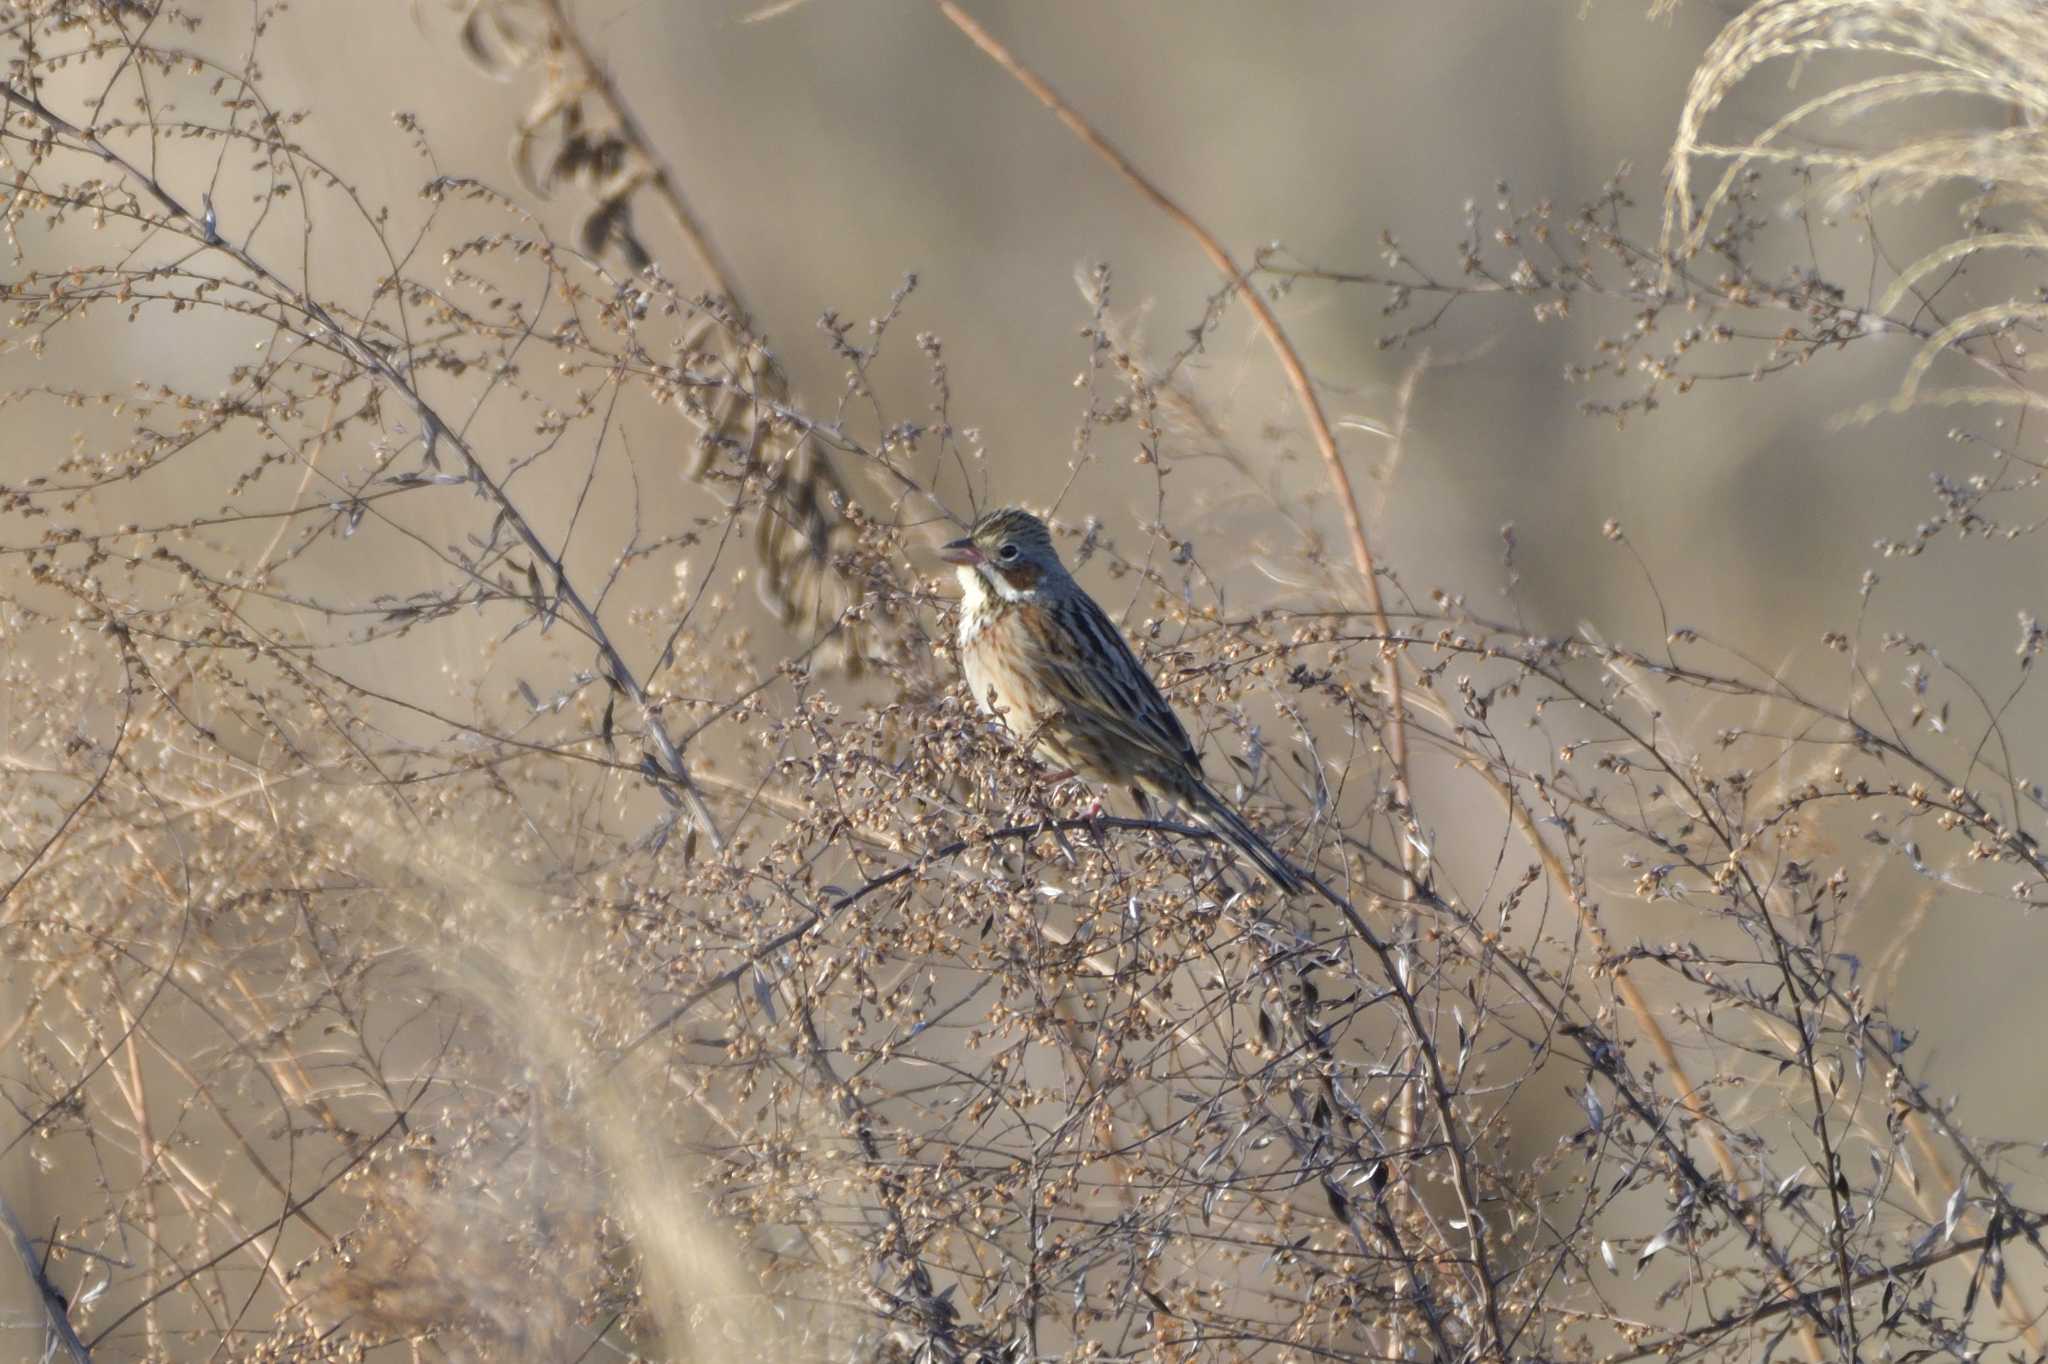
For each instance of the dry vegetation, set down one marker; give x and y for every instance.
(648, 977)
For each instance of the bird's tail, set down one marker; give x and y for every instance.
(1209, 809)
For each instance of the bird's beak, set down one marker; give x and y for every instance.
(961, 552)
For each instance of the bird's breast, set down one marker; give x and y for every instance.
(996, 665)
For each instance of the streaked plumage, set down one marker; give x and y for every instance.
(1037, 650)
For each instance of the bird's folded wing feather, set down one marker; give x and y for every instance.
(1093, 672)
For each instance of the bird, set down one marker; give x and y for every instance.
(1040, 655)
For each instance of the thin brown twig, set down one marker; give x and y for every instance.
(1276, 336)
(1283, 349)
(1407, 1105)
(1333, 464)
(1664, 1346)
(2013, 1302)
(136, 1094)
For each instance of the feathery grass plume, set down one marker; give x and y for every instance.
(1953, 93)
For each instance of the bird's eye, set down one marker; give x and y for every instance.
(1008, 553)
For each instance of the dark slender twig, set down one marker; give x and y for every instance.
(1662, 1347)
(56, 1307)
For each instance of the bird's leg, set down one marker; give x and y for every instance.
(1029, 745)
(1093, 814)
(1096, 833)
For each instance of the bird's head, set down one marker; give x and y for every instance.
(1008, 555)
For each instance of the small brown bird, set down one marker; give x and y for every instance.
(1037, 649)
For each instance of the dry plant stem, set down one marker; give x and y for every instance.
(1646, 1022)
(1439, 1096)
(1463, 1182)
(937, 1312)
(1098, 964)
(137, 1096)
(153, 1153)
(1283, 349)
(1297, 376)
(42, 862)
(1598, 1051)
(246, 1148)
(433, 430)
(212, 1202)
(1924, 1109)
(1802, 1049)
(291, 1210)
(600, 83)
(56, 1310)
(1354, 525)
(1665, 1347)
(2013, 1302)
(71, 813)
(1847, 1277)
(1407, 1114)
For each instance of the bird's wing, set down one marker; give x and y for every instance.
(1092, 670)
